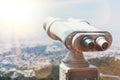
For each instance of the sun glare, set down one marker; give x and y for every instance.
(20, 16)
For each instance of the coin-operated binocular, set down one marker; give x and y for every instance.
(78, 36)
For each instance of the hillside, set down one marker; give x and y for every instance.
(31, 58)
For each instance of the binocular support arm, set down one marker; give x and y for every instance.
(75, 59)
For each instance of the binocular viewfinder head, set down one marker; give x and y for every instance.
(78, 35)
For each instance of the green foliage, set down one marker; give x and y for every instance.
(5, 78)
(107, 65)
(104, 61)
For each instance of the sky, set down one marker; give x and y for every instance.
(25, 18)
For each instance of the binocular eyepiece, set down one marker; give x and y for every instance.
(90, 43)
(102, 42)
(78, 34)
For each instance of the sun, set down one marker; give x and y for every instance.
(20, 16)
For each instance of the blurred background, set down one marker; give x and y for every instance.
(26, 52)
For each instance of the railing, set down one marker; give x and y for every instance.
(109, 76)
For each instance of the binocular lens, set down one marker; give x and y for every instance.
(102, 42)
(88, 43)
